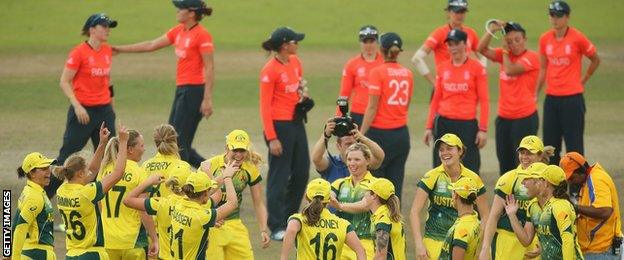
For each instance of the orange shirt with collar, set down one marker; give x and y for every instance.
(190, 45)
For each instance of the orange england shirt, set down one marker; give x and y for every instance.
(457, 91)
(435, 41)
(189, 47)
(563, 69)
(394, 85)
(90, 84)
(518, 96)
(278, 92)
(355, 81)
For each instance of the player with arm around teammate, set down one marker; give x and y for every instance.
(517, 102)
(195, 72)
(552, 216)
(191, 219)
(318, 233)
(433, 186)
(79, 197)
(499, 240)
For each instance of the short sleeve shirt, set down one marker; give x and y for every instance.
(394, 84)
(511, 184)
(442, 213)
(190, 223)
(323, 240)
(518, 94)
(92, 79)
(346, 192)
(465, 234)
(436, 39)
(190, 45)
(397, 244)
(557, 217)
(164, 164)
(563, 69)
(354, 82)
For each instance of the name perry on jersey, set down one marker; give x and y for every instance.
(68, 202)
(157, 166)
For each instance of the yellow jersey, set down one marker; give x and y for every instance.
(346, 192)
(163, 164)
(555, 229)
(79, 209)
(247, 175)
(122, 225)
(190, 222)
(442, 213)
(397, 244)
(323, 240)
(465, 234)
(34, 220)
(161, 208)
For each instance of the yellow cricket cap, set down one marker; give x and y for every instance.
(382, 187)
(36, 160)
(450, 139)
(553, 174)
(464, 187)
(200, 182)
(534, 170)
(532, 143)
(237, 139)
(318, 187)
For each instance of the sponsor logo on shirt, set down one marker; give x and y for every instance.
(361, 72)
(100, 72)
(456, 87)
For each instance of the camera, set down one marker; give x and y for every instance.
(344, 123)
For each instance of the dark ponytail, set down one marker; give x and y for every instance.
(174, 185)
(189, 191)
(202, 11)
(21, 173)
(470, 200)
(392, 53)
(312, 212)
(269, 46)
(394, 205)
(561, 191)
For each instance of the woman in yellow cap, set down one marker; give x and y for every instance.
(318, 233)
(499, 240)
(78, 199)
(462, 239)
(433, 186)
(352, 189)
(231, 240)
(554, 224)
(387, 221)
(190, 219)
(161, 207)
(34, 219)
(167, 159)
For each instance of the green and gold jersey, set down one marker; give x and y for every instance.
(346, 192)
(79, 209)
(122, 225)
(323, 240)
(511, 184)
(465, 234)
(247, 175)
(397, 244)
(442, 213)
(555, 229)
(163, 164)
(34, 220)
(162, 208)
(190, 222)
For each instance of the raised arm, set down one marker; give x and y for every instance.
(231, 202)
(484, 43)
(146, 46)
(319, 158)
(419, 61)
(133, 199)
(120, 164)
(525, 234)
(377, 153)
(94, 165)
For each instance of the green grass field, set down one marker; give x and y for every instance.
(36, 36)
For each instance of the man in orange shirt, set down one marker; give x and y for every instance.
(561, 53)
(517, 102)
(595, 200)
(194, 74)
(461, 84)
(456, 11)
(354, 84)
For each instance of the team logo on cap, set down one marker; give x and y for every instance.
(240, 138)
(368, 31)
